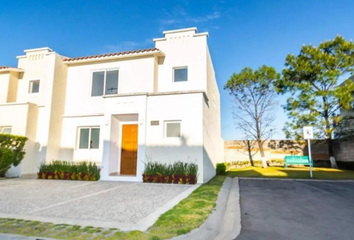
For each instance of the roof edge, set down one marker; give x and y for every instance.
(117, 55)
(38, 49)
(10, 69)
(181, 30)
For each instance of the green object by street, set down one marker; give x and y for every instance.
(292, 160)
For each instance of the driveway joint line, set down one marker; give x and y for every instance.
(84, 184)
(75, 199)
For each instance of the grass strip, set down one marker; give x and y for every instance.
(292, 172)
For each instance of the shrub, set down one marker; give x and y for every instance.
(86, 171)
(11, 151)
(220, 168)
(178, 172)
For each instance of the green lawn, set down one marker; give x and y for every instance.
(296, 172)
(190, 213)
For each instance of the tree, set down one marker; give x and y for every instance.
(312, 78)
(254, 101)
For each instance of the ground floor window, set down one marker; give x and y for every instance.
(89, 137)
(6, 130)
(173, 129)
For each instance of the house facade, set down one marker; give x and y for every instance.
(119, 110)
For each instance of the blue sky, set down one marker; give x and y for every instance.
(247, 33)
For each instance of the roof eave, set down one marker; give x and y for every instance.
(157, 53)
(4, 70)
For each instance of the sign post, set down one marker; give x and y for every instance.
(308, 134)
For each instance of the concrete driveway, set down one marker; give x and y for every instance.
(296, 210)
(122, 205)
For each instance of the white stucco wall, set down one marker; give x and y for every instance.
(4, 89)
(186, 108)
(128, 110)
(13, 84)
(57, 106)
(213, 142)
(135, 75)
(22, 117)
(69, 147)
(46, 66)
(182, 49)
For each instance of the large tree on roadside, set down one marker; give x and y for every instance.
(312, 78)
(254, 100)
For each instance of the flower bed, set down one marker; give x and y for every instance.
(62, 170)
(176, 173)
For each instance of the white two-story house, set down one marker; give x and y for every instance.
(119, 110)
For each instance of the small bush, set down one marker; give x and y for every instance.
(178, 172)
(220, 168)
(85, 171)
(11, 151)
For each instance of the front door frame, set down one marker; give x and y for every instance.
(120, 145)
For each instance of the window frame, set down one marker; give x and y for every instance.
(30, 87)
(173, 74)
(180, 129)
(4, 127)
(78, 138)
(104, 81)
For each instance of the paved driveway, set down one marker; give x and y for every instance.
(296, 210)
(105, 204)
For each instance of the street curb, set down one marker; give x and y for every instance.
(295, 179)
(224, 223)
(231, 226)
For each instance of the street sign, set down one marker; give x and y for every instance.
(308, 132)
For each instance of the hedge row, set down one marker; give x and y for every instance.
(11, 151)
(177, 173)
(64, 170)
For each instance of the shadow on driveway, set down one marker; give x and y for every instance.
(296, 210)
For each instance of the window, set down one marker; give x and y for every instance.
(180, 74)
(89, 138)
(104, 83)
(34, 86)
(6, 130)
(173, 129)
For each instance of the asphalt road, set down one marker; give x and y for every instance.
(296, 210)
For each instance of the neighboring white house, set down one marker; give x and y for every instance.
(119, 109)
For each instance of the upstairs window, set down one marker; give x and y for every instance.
(104, 83)
(89, 137)
(180, 74)
(6, 130)
(34, 86)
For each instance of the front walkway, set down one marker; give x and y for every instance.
(122, 205)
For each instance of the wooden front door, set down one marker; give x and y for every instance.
(129, 155)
